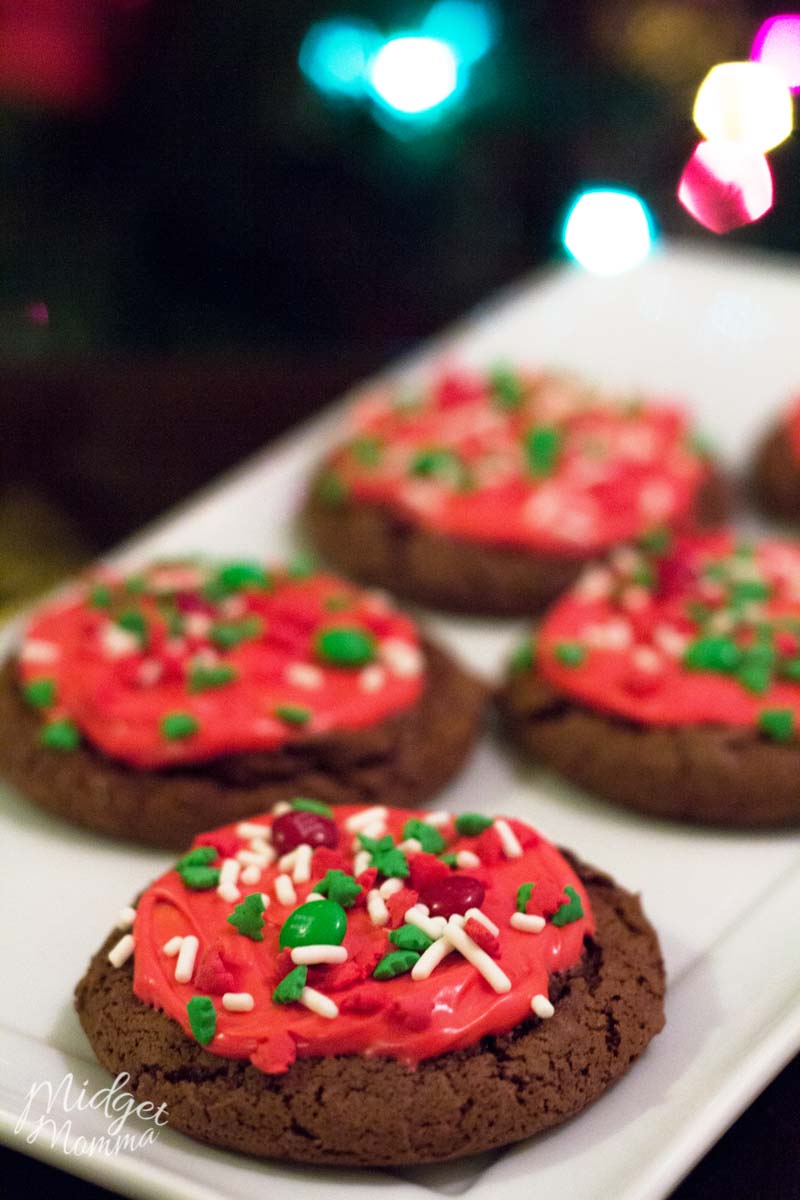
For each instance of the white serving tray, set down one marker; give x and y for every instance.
(720, 330)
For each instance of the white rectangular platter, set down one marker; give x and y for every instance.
(720, 330)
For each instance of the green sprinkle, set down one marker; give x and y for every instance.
(701, 445)
(199, 879)
(133, 621)
(202, 1018)
(542, 449)
(718, 654)
(302, 566)
(471, 824)
(777, 723)
(135, 585)
(201, 677)
(755, 677)
(228, 634)
(441, 463)
(301, 804)
(655, 541)
(248, 917)
(339, 887)
(398, 962)
(345, 646)
(428, 836)
(570, 654)
(523, 895)
(449, 860)
(238, 576)
(507, 390)
(570, 911)
(385, 856)
(100, 596)
(746, 591)
(331, 488)
(522, 658)
(60, 735)
(292, 714)
(176, 726)
(367, 451)
(791, 669)
(289, 989)
(337, 603)
(41, 693)
(744, 549)
(408, 937)
(201, 856)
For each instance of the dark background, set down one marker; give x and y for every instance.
(197, 249)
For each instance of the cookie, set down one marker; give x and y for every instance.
(371, 987)
(776, 468)
(669, 682)
(154, 705)
(489, 493)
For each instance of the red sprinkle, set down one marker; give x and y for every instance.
(212, 975)
(399, 904)
(367, 999)
(545, 899)
(225, 844)
(482, 937)
(425, 869)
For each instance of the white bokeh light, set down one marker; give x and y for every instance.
(608, 232)
(411, 74)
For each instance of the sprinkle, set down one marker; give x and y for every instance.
(202, 1018)
(408, 937)
(345, 646)
(467, 860)
(229, 892)
(41, 693)
(376, 907)
(126, 917)
(203, 678)
(645, 658)
(434, 927)
(283, 806)
(229, 871)
(122, 951)
(187, 955)
(256, 858)
(372, 679)
(197, 624)
(315, 896)
(40, 652)
(481, 961)
(670, 639)
(248, 917)
(472, 824)
(397, 962)
(194, 869)
(527, 922)
(508, 839)
(359, 821)
(410, 846)
(118, 643)
(571, 910)
(438, 819)
(264, 899)
(287, 861)
(616, 634)
(569, 654)
(150, 672)
(292, 714)
(375, 830)
(172, 947)
(339, 887)
(309, 956)
(304, 804)
(302, 863)
(291, 986)
(60, 735)
(777, 723)
(390, 887)
(542, 449)
(249, 829)
(429, 960)
(284, 890)
(323, 1006)
(361, 862)
(251, 874)
(476, 914)
(304, 675)
(229, 634)
(177, 726)
(594, 584)
(542, 1006)
(402, 659)
(428, 837)
(635, 599)
(238, 1002)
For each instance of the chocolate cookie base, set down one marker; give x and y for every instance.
(776, 476)
(710, 774)
(374, 545)
(400, 761)
(355, 1111)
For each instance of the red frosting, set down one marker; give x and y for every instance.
(707, 633)
(400, 1017)
(145, 667)
(546, 466)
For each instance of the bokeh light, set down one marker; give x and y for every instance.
(412, 74)
(777, 44)
(335, 53)
(469, 27)
(745, 102)
(725, 185)
(608, 231)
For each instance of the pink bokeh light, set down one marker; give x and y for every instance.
(37, 313)
(777, 44)
(725, 185)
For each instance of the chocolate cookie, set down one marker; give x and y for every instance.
(490, 494)
(116, 746)
(776, 475)
(437, 1092)
(677, 695)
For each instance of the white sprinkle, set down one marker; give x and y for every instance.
(635, 599)
(261, 846)
(429, 960)
(645, 658)
(323, 1006)
(361, 862)
(360, 820)
(249, 829)
(149, 673)
(626, 561)
(376, 907)
(283, 806)
(481, 961)
(594, 584)
(670, 640)
(309, 956)
(476, 914)
(287, 861)
(251, 858)
(184, 967)
(657, 500)
(374, 830)
(372, 678)
(434, 927)
(284, 890)
(616, 634)
(542, 1006)
(122, 951)
(197, 624)
(126, 917)
(251, 874)
(228, 892)
(117, 642)
(437, 819)
(304, 675)
(410, 846)
(264, 899)
(467, 860)
(172, 947)
(238, 1002)
(508, 839)
(401, 657)
(390, 887)
(229, 871)
(527, 922)
(34, 650)
(315, 896)
(302, 863)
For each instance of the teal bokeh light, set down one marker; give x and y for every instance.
(469, 27)
(335, 55)
(608, 230)
(413, 75)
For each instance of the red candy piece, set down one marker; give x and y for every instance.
(370, 998)
(324, 860)
(225, 844)
(545, 899)
(489, 848)
(283, 965)
(482, 937)
(399, 904)
(425, 869)
(293, 829)
(412, 1014)
(675, 575)
(454, 895)
(526, 836)
(276, 1054)
(454, 389)
(335, 978)
(212, 975)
